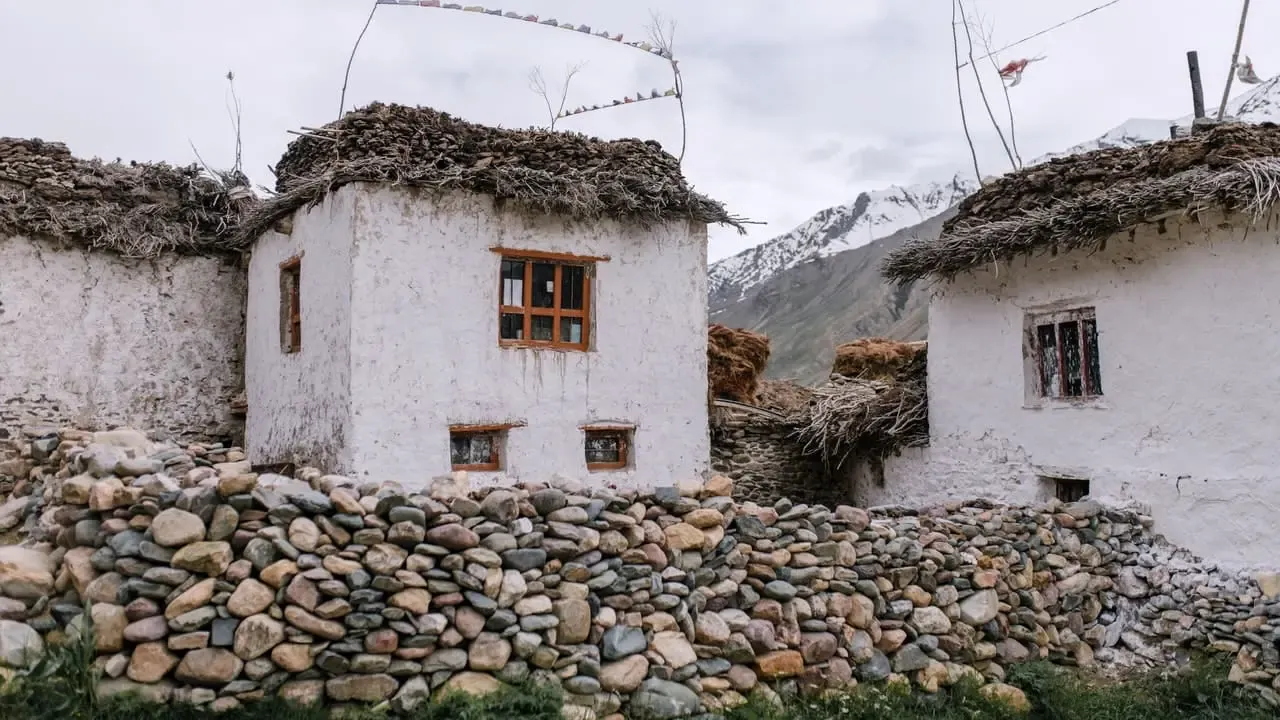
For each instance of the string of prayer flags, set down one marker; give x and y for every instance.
(1245, 72)
(1014, 69)
(627, 100)
(551, 22)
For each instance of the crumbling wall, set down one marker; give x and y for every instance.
(94, 339)
(214, 585)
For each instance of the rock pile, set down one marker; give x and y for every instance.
(215, 585)
(135, 208)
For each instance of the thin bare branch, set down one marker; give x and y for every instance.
(233, 110)
(986, 32)
(538, 84)
(342, 104)
(964, 118)
(982, 91)
(663, 34)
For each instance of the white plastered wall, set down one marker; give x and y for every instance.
(91, 339)
(425, 351)
(1189, 336)
(300, 403)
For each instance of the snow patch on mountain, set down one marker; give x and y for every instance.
(872, 215)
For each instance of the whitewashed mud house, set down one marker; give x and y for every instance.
(121, 298)
(428, 295)
(1105, 325)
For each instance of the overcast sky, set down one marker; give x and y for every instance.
(793, 105)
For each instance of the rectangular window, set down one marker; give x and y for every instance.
(1070, 490)
(476, 447)
(291, 305)
(607, 448)
(1065, 351)
(543, 300)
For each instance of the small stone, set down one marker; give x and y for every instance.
(150, 662)
(209, 558)
(624, 676)
(175, 528)
(257, 635)
(211, 667)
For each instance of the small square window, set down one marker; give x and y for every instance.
(607, 448)
(291, 305)
(1070, 490)
(475, 449)
(1064, 351)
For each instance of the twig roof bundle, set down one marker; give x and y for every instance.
(855, 417)
(547, 171)
(874, 358)
(1077, 202)
(135, 209)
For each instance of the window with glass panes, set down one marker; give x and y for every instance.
(544, 301)
(1065, 349)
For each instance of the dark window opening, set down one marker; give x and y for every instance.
(291, 305)
(607, 449)
(1066, 355)
(1070, 490)
(543, 302)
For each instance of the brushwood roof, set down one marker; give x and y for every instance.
(1078, 201)
(550, 171)
(135, 209)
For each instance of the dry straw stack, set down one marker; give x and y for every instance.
(736, 360)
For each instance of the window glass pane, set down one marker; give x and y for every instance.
(471, 448)
(513, 283)
(1093, 364)
(1047, 360)
(572, 278)
(571, 330)
(481, 449)
(1069, 336)
(460, 449)
(544, 285)
(542, 327)
(512, 327)
(603, 447)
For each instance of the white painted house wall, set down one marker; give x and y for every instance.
(422, 352)
(1189, 425)
(91, 339)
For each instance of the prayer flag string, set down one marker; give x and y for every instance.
(647, 47)
(627, 100)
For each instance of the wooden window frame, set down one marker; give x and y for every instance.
(528, 312)
(291, 305)
(623, 433)
(498, 431)
(1090, 384)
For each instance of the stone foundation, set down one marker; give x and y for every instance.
(765, 463)
(213, 585)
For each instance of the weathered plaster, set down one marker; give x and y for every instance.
(93, 340)
(300, 403)
(1190, 422)
(421, 347)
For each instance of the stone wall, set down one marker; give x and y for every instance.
(757, 452)
(212, 585)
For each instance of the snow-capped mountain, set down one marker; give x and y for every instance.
(872, 215)
(880, 213)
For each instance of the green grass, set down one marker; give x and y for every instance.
(1201, 693)
(61, 686)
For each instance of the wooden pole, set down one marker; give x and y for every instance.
(1235, 58)
(1197, 90)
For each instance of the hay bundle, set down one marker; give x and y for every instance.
(735, 361)
(874, 358)
(854, 417)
